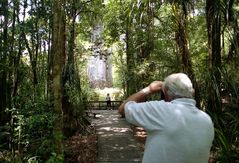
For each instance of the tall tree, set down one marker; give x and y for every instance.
(213, 17)
(71, 78)
(4, 51)
(180, 10)
(130, 59)
(32, 39)
(58, 57)
(144, 42)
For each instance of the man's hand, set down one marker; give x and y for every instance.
(154, 87)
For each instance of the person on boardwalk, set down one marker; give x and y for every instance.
(177, 131)
(108, 100)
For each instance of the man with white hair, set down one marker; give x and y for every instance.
(177, 131)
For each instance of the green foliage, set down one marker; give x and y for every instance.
(151, 25)
(75, 95)
(119, 71)
(29, 132)
(114, 20)
(164, 59)
(226, 122)
(55, 159)
(33, 159)
(226, 136)
(38, 131)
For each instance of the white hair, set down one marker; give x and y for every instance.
(178, 86)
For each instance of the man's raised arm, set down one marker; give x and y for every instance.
(154, 87)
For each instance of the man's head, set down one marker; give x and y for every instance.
(178, 86)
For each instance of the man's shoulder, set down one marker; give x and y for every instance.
(204, 115)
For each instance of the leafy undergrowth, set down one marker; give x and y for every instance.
(81, 148)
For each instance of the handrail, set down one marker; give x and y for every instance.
(101, 105)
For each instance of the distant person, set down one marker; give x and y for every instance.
(108, 100)
(177, 131)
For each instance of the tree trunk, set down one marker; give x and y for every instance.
(182, 43)
(49, 62)
(146, 42)
(70, 75)
(16, 70)
(213, 16)
(130, 77)
(3, 71)
(58, 56)
(13, 57)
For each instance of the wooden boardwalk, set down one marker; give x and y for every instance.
(116, 143)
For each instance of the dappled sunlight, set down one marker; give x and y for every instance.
(140, 134)
(59, 60)
(116, 141)
(115, 129)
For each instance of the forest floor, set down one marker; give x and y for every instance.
(82, 148)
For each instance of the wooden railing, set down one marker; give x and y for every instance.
(101, 105)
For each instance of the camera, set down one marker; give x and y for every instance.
(161, 95)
